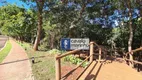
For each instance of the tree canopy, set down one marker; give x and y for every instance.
(108, 22)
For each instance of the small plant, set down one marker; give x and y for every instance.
(55, 51)
(85, 64)
(75, 60)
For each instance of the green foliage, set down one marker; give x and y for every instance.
(56, 51)
(5, 51)
(70, 58)
(75, 60)
(25, 45)
(63, 21)
(17, 22)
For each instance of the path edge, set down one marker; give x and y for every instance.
(4, 45)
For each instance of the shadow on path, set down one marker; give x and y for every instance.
(91, 71)
(22, 60)
(93, 76)
(71, 72)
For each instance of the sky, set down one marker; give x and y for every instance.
(17, 2)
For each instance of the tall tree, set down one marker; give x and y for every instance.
(40, 5)
(17, 22)
(130, 31)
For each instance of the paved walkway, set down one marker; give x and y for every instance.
(16, 66)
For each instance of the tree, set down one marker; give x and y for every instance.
(40, 5)
(130, 30)
(17, 22)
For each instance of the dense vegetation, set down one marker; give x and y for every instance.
(112, 23)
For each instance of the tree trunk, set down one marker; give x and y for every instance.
(38, 31)
(52, 41)
(130, 33)
(130, 43)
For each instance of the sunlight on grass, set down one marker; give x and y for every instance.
(44, 67)
(5, 51)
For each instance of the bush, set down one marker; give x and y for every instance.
(70, 58)
(56, 51)
(75, 60)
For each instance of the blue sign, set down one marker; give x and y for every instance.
(65, 44)
(75, 43)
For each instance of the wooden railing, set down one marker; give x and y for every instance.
(135, 50)
(90, 57)
(138, 49)
(91, 52)
(58, 62)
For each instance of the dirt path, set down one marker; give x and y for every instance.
(15, 67)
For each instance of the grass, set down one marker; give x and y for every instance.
(44, 68)
(5, 51)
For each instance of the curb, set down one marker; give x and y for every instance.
(4, 45)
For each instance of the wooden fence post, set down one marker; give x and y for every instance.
(91, 51)
(100, 51)
(58, 68)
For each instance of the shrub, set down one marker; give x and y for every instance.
(56, 51)
(75, 60)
